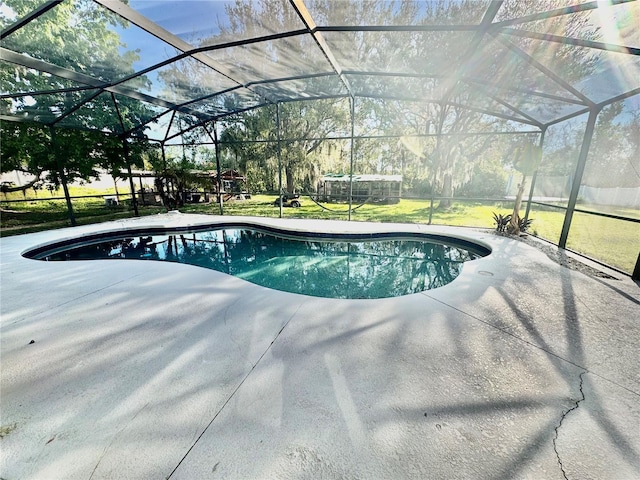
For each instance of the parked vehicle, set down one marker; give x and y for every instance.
(288, 200)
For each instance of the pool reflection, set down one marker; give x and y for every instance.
(376, 268)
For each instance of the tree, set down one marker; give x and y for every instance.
(307, 124)
(32, 149)
(613, 153)
(526, 161)
(79, 36)
(615, 148)
(175, 175)
(76, 35)
(458, 150)
(25, 148)
(488, 178)
(304, 128)
(250, 140)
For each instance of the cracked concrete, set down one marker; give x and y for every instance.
(125, 369)
(562, 419)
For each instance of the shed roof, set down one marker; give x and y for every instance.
(361, 178)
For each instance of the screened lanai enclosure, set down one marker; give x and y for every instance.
(446, 93)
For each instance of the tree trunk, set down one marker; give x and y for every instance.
(514, 223)
(115, 185)
(63, 180)
(288, 171)
(21, 188)
(447, 191)
(134, 200)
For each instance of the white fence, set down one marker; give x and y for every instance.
(621, 197)
(558, 188)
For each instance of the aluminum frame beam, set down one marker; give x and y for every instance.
(498, 29)
(472, 50)
(610, 47)
(547, 72)
(577, 177)
(28, 18)
(558, 12)
(307, 19)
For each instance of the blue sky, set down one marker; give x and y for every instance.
(189, 20)
(185, 18)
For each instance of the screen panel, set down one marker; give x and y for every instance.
(427, 53)
(85, 37)
(272, 59)
(214, 22)
(43, 108)
(381, 13)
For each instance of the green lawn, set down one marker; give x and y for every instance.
(45, 213)
(474, 214)
(611, 241)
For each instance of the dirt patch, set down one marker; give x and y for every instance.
(7, 429)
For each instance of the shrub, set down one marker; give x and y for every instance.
(501, 221)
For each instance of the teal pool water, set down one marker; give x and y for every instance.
(333, 267)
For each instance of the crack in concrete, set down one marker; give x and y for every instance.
(543, 348)
(234, 392)
(564, 415)
(104, 452)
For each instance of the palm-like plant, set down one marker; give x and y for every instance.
(501, 221)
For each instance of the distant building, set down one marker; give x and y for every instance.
(366, 188)
(232, 181)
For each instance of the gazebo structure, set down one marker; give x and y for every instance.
(365, 188)
(231, 181)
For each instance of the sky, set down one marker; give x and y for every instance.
(185, 19)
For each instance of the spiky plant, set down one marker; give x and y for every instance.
(501, 221)
(524, 224)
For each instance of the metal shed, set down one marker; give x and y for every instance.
(365, 188)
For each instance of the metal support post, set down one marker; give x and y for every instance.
(217, 147)
(577, 177)
(535, 175)
(134, 201)
(163, 180)
(438, 154)
(279, 157)
(636, 271)
(352, 104)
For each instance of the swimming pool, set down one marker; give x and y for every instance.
(333, 266)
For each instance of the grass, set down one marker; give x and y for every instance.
(74, 190)
(473, 214)
(33, 216)
(611, 241)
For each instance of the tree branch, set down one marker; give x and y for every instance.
(5, 188)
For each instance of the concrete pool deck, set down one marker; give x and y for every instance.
(520, 368)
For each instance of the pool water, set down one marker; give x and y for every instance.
(323, 267)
